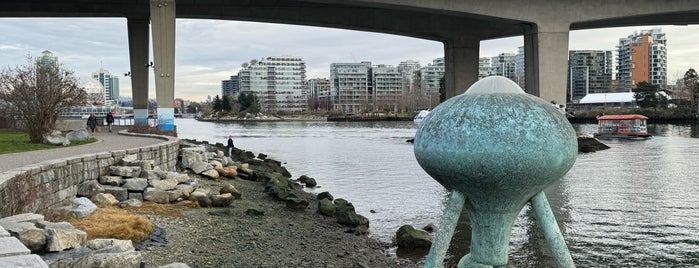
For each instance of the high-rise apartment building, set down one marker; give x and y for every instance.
(47, 59)
(519, 68)
(410, 70)
(230, 87)
(485, 68)
(388, 87)
(351, 86)
(278, 82)
(589, 71)
(504, 65)
(642, 57)
(320, 94)
(110, 83)
(431, 75)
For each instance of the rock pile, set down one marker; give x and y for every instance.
(133, 181)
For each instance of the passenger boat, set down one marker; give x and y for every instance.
(421, 115)
(622, 126)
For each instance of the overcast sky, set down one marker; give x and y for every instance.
(209, 51)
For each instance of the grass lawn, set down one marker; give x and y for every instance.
(12, 141)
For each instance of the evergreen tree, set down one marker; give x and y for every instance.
(218, 105)
(648, 95)
(226, 103)
(248, 102)
(691, 83)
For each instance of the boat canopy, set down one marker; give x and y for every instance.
(622, 117)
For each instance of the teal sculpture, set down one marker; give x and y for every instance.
(495, 148)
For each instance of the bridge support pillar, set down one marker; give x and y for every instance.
(546, 61)
(461, 65)
(162, 14)
(138, 56)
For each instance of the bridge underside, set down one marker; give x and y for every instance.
(545, 37)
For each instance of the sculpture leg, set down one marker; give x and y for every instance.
(447, 225)
(553, 235)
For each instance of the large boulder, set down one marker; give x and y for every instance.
(125, 171)
(325, 195)
(105, 258)
(62, 235)
(104, 199)
(55, 139)
(78, 135)
(111, 180)
(119, 193)
(192, 155)
(164, 185)
(345, 214)
(135, 184)
(296, 203)
(27, 233)
(157, 196)
(81, 207)
(326, 207)
(99, 244)
(308, 181)
(409, 237)
(200, 167)
(89, 188)
(211, 174)
(230, 189)
(228, 172)
(221, 200)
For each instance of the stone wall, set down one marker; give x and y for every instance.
(32, 188)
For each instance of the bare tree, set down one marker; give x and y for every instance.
(37, 93)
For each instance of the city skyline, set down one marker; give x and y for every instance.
(209, 51)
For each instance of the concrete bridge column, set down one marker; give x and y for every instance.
(138, 56)
(461, 65)
(162, 14)
(546, 60)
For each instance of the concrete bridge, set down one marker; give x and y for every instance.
(459, 24)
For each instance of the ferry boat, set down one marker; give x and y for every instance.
(631, 126)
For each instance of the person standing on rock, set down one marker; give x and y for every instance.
(110, 120)
(230, 146)
(92, 122)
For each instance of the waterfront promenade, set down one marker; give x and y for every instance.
(12, 252)
(108, 141)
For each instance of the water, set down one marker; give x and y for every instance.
(634, 205)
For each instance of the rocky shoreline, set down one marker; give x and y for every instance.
(274, 234)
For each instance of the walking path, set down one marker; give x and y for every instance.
(108, 141)
(12, 252)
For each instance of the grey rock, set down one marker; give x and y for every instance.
(128, 259)
(409, 237)
(200, 167)
(111, 180)
(78, 135)
(125, 171)
(52, 139)
(62, 235)
(24, 217)
(135, 184)
(100, 244)
(211, 173)
(175, 265)
(90, 188)
(119, 193)
(157, 196)
(104, 199)
(27, 233)
(325, 195)
(222, 200)
(164, 185)
(137, 196)
(82, 207)
(131, 203)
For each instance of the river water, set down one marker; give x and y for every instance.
(634, 205)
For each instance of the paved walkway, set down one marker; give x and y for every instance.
(12, 252)
(107, 142)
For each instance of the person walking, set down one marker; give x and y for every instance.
(92, 122)
(110, 120)
(230, 146)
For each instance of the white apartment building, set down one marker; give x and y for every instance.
(278, 82)
(485, 68)
(431, 75)
(320, 94)
(410, 69)
(350, 86)
(388, 87)
(110, 83)
(504, 65)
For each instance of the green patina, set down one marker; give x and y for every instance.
(495, 147)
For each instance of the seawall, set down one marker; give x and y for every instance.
(34, 187)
